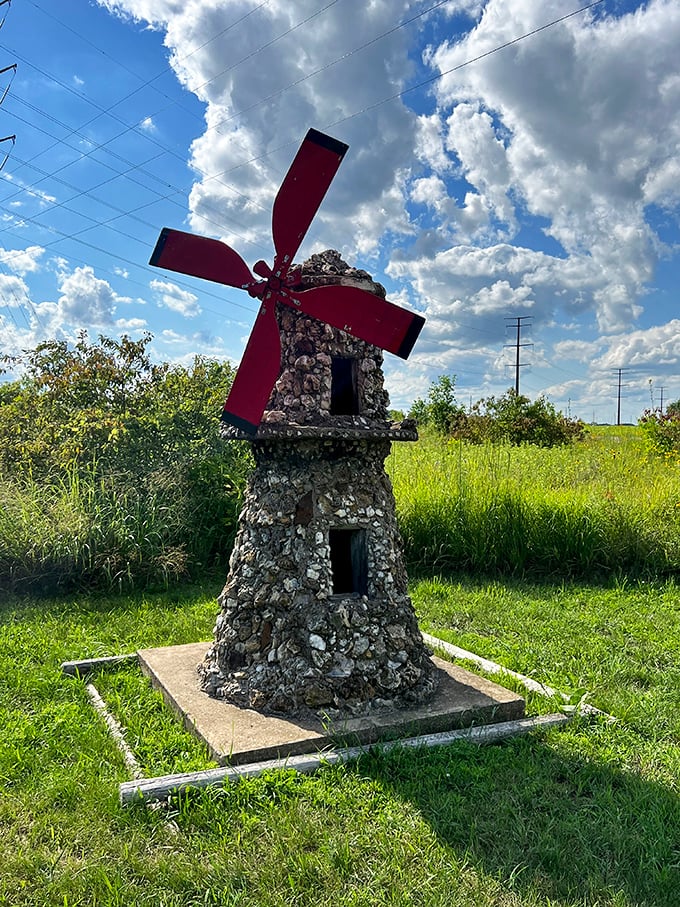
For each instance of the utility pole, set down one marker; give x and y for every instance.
(6, 69)
(662, 389)
(518, 319)
(620, 371)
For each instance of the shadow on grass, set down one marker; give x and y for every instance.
(26, 607)
(542, 823)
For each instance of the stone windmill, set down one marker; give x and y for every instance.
(315, 613)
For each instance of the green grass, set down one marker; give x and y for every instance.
(595, 508)
(587, 815)
(588, 510)
(87, 529)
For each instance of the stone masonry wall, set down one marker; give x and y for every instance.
(315, 614)
(302, 394)
(283, 640)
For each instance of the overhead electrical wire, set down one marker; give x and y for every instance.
(132, 167)
(310, 75)
(217, 176)
(5, 69)
(149, 82)
(206, 176)
(105, 145)
(447, 72)
(109, 254)
(89, 193)
(209, 177)
(325, 67)
(6, 3)
(146, 83)
(398, 95)
(135, 127)
(6, 154)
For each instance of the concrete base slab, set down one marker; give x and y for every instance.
(237, 735)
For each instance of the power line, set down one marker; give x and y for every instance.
(266, 45)
(79, 193)
(109, 254)
(438, 76)
(146, 83)
(340, 59)
(6, 3)
(476, 59)
(217, 176)
(135, 127)
(149, 82)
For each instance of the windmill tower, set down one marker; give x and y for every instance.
(315, 612)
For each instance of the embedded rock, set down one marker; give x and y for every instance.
(315, 613)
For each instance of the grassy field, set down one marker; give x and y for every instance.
(584, 816)
(587, 815)
(592, 509)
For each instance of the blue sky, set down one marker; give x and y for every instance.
(541, 181)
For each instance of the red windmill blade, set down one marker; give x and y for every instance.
(356, 311)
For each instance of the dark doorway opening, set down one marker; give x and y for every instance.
(349, 561)
(344, 388)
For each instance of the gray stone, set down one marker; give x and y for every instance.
(316, 474)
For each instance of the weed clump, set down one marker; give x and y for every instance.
(112, 472)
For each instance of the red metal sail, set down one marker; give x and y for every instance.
(364, 315)
(356, 311)
(201, 256)
(301, 193)
(257, 373)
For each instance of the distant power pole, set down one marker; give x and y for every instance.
(618, 395)
(662, 389)
(6, 69)
(517, 320)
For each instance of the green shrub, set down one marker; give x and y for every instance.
(673, 409)
(662, 432)
(112, 471)
(512, 418)
(440, 410)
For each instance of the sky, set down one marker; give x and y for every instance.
(502, 165)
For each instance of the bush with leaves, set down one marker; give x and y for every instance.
(515, 419)
(673, 409)
(441, 410)
(662, 431)
(119, 460)
(511, 419)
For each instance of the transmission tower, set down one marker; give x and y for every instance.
(4, 9)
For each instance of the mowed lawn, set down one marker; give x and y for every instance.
(582, 595)
(587, 814)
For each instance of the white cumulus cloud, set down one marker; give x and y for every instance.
(175, 298)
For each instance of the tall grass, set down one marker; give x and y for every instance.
(600, 506)
(81, 529)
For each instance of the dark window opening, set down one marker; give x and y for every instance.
(344, 389)
(304, 510)
(349, 561)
